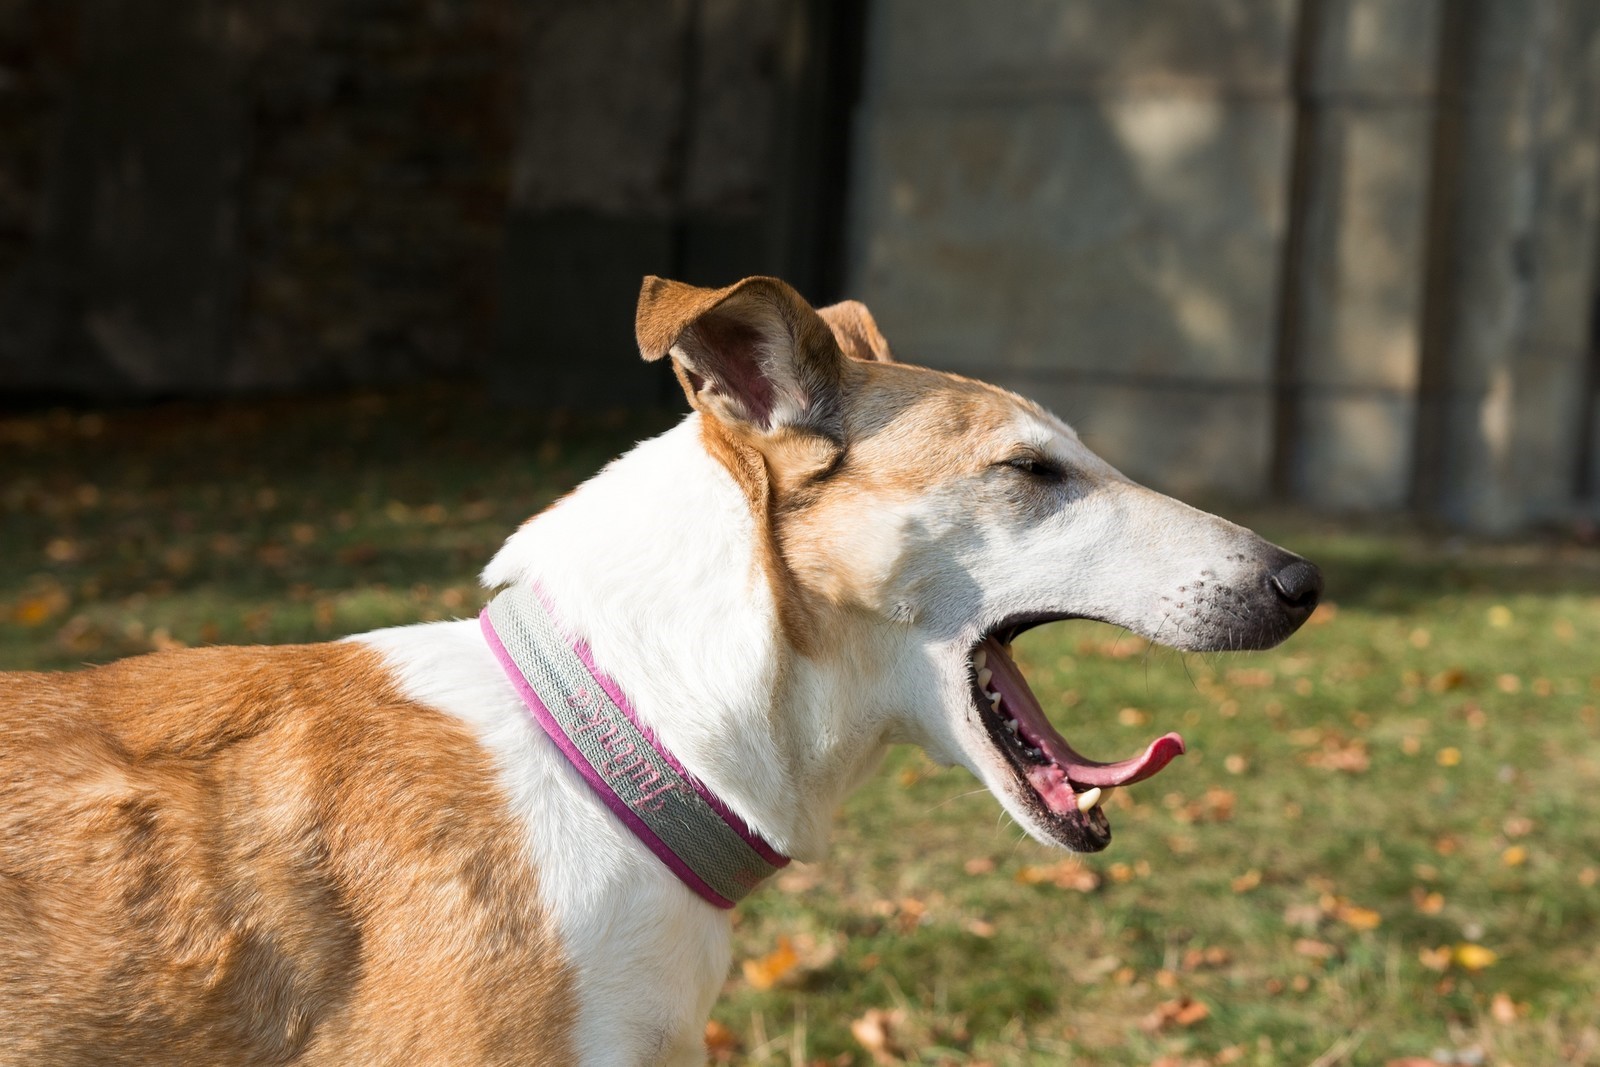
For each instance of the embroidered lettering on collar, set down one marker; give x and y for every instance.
(584, 712)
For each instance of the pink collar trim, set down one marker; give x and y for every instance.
(584, 712)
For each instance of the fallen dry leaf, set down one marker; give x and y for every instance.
(1210, 956)
(1064, 874)
(1245, 882)
(63, 550)
(722, 1044)
(1251, 677)
(1473, 957)
(910, 914)
(41, 604)
(1348, 755)
(874, 1031)
(1357, 918)
(767, 971)
(1216, 805)
(1314, 949)
(1182, 1011)
(1121, 872)
(1435, 959)
(1428, 903)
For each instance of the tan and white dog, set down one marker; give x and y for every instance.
(369, 852)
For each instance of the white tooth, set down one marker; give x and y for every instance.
(1011, 724)
(980, 659)
(994, 700)
(1087, 802)
(984, 674)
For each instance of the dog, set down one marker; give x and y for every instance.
(515, 839)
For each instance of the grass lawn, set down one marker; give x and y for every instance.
(1384, 842)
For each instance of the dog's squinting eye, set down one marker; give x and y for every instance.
(1037, 467)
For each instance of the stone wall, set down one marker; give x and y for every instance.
(1334, 251)
(213, 196)
(201, 196)
(1338, 251)
(1518, 280)
(646, 143)
(1087, 202)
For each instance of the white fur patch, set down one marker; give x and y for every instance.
(624, 919)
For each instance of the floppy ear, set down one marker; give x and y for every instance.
(753, 353)
(853, 327)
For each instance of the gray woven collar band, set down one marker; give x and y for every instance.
(707, 846)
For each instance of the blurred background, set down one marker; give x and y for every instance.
(1339, 253)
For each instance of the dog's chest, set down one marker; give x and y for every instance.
(633, 934)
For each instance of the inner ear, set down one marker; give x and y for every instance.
(723, 355)
(754, 354)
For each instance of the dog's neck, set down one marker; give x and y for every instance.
(653, 564)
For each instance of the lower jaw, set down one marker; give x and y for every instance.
(1076, 830)
(1049, 799)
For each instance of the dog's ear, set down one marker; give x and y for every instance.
(856, 331)
(753, 353)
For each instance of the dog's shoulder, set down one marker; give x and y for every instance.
(228, 852)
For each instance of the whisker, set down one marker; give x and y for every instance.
(952, 799)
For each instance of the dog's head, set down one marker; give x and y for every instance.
(952, 515)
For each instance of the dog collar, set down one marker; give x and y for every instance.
(583, 710)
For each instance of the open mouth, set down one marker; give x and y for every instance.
(1065, 791)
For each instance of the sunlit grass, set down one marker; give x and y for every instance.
(1382, 843)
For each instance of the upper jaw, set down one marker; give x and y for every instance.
(1052, 789)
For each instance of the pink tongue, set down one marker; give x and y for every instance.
(1018, 700)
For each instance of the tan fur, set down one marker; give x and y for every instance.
(716, 337)
(909, 431)
(261, 855)
(813, 487)
(704, 327)
(751, 473)
(856, 331)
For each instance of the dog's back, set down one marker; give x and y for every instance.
(255, 854)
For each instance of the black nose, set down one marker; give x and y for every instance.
(1298, 585)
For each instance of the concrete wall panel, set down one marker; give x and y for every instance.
(1124, 237)
(1205, 444)
(1034, 47)
(1524, 238)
